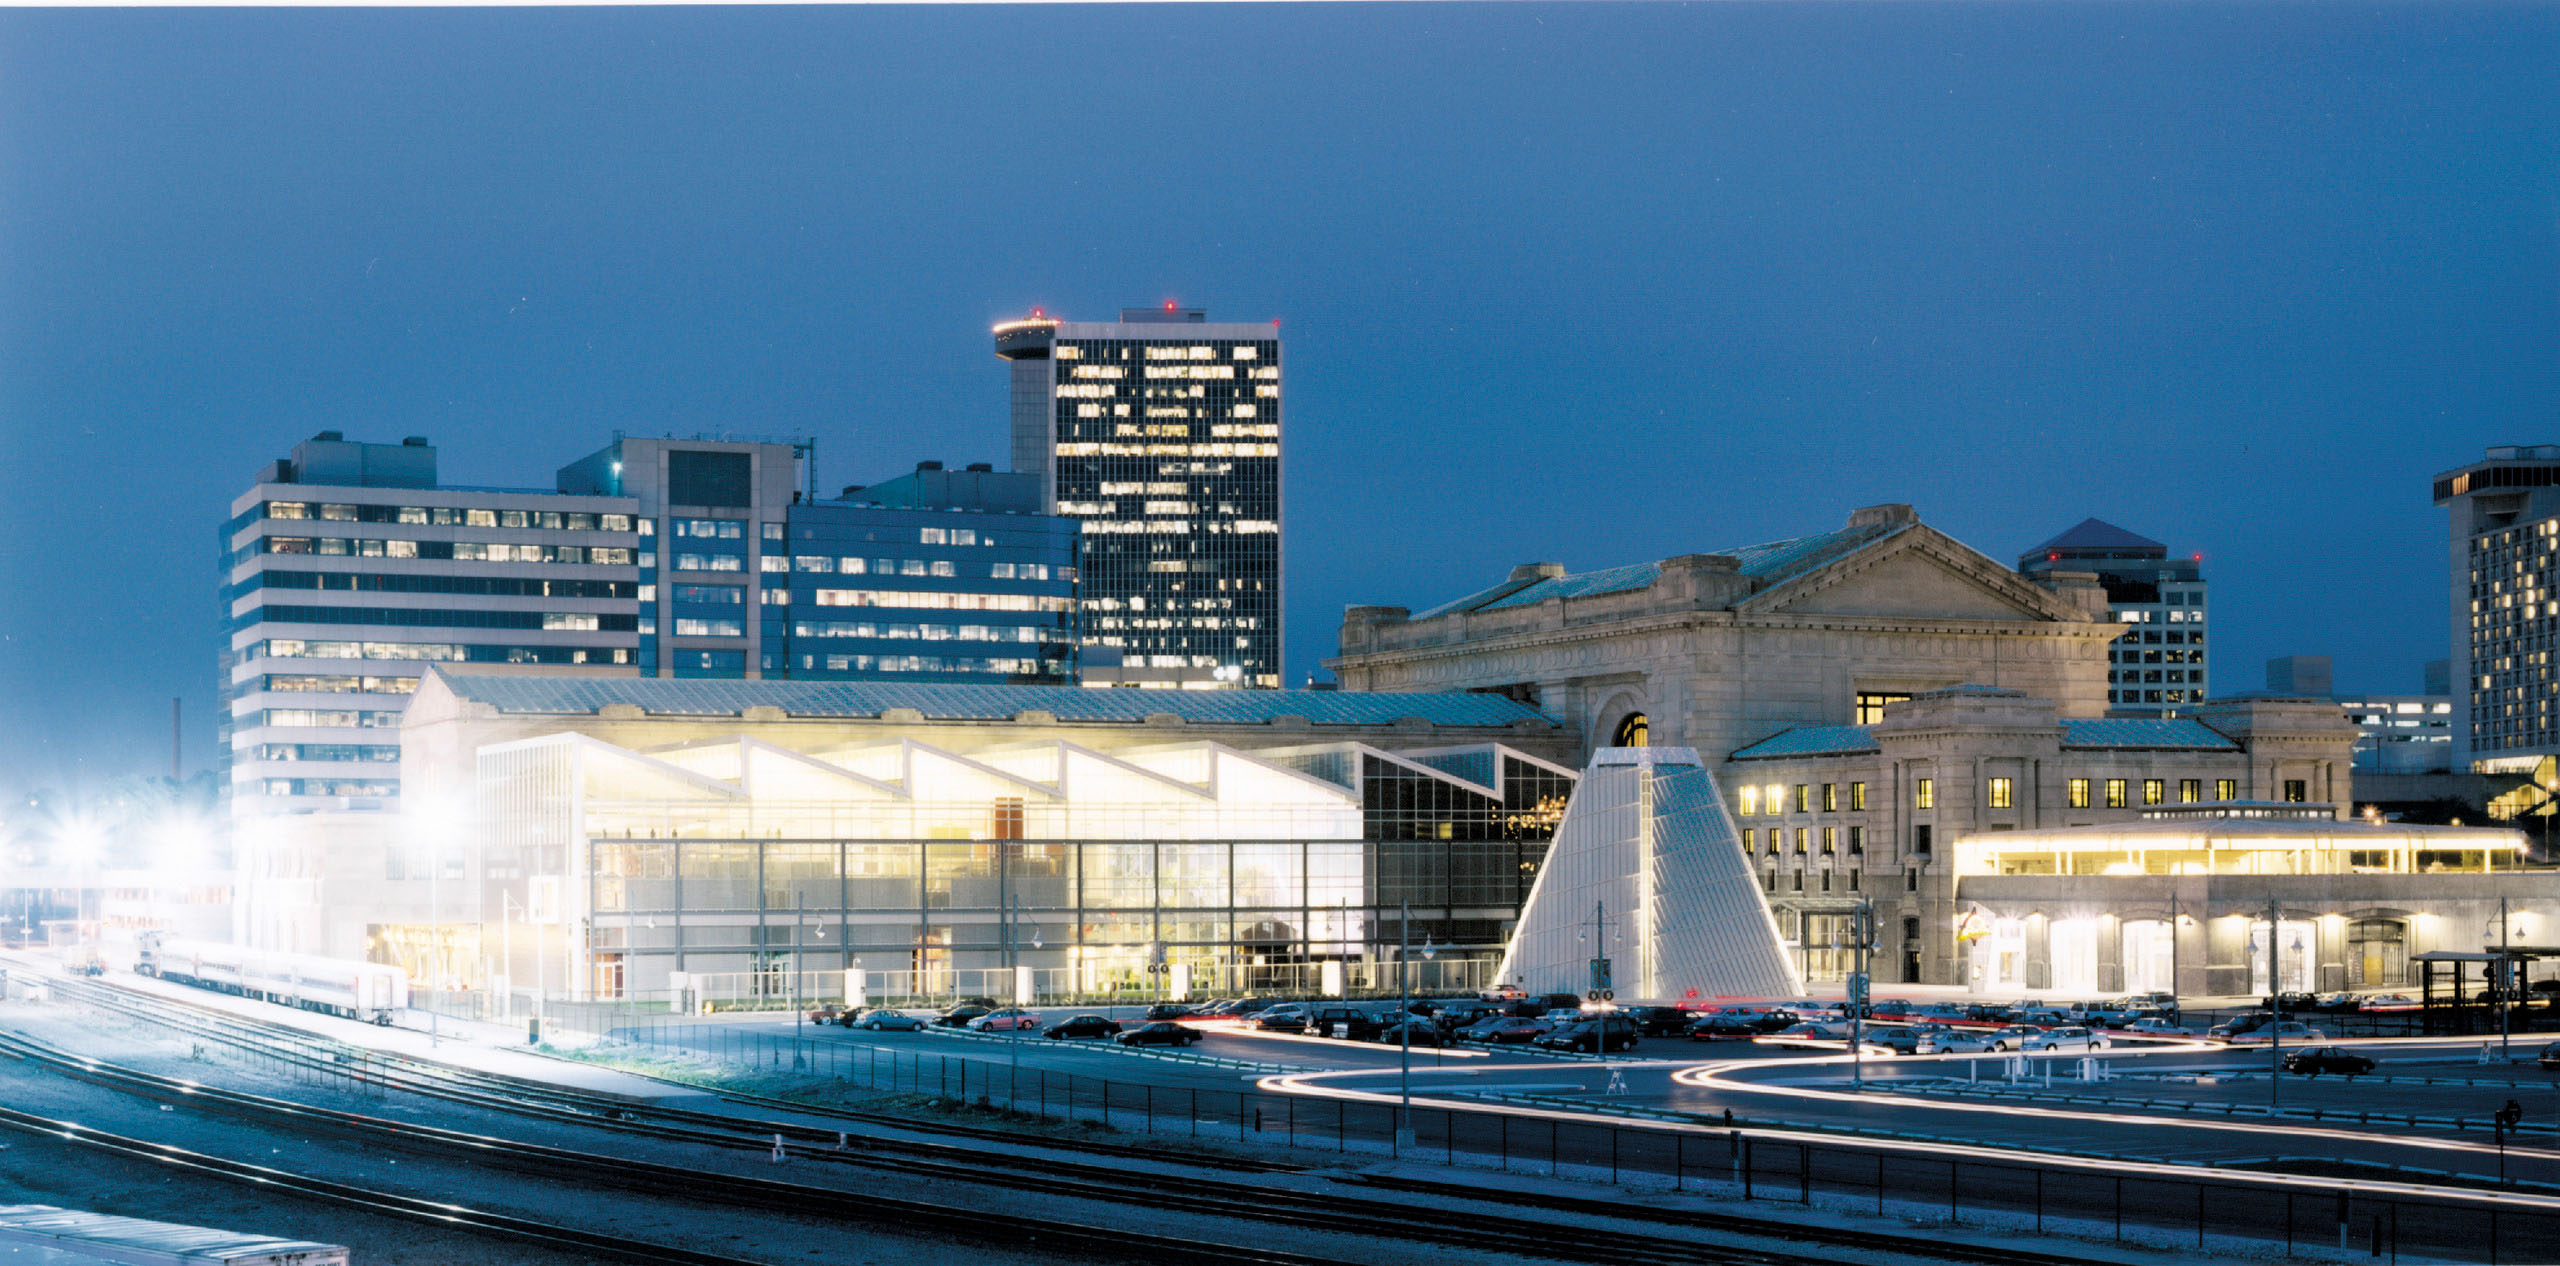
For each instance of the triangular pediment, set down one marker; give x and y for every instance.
(1917, 574)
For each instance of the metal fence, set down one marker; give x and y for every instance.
(1735, 1159)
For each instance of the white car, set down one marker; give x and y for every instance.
(2154, 1026)
(1953, 1042)
(2289, 1031)
(2073, 1038)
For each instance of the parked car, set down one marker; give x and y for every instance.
(2043, 1017)
(1082, 1026)
(833, 1013)
(2154, 1026)
(1351, 1023)
(1814, 1031)
(887, 1021)
(1412, 1032)
(2313, 1061)
(1005, 1020)
(1223, 1009)
(2012, 1038)
(1943, 1013)
(1463, 1012)
(2296, 1002)
(1169, 1011)
(2238, 1025)
(1286, 1017)
(2549, 1056)
(2389, 1002)
(1506, 1030)
(1597, 1035)
(1160, 1033)
(2160, 998)
(2339, 1001)
(1900, 1041)
(1739, 1023)
(2284, 1031)
(1659, 1021)
(959, 1016)
(1952, 1042)
(2071, 1037)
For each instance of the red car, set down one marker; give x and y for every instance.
(1510, 1030)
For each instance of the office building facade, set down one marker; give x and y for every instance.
(1160, 434)
(2159, 666)
(938, 575)
(2503, 610)
(348, 569)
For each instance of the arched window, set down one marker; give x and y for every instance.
(1632, 732)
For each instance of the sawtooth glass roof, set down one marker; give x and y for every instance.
(659, 696)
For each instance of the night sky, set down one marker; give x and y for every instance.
(1590, 284)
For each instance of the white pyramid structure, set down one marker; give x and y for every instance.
(1647, 870)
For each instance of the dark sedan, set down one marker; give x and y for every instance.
(2328, 1059)
(1507, 1030)
(1083, 1026)
(958, 1017)
(1160, 1033)
(1414, 1032)
(1661, 1021)
(1168, 1011)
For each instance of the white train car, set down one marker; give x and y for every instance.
(44, 1233)
(360, 991)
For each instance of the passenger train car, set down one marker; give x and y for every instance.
(361, 991)
(43, 1233)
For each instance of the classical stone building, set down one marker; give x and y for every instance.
(1831, 814)
(1863, 697)
(1718, 651)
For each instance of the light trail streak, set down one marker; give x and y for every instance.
(1705, 1076)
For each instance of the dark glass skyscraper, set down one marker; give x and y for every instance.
(1160, 434)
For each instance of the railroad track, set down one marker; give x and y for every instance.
(391, 1204)
(1339, 1212)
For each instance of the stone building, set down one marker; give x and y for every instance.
(1835, 813)
(1719, 651)
(1863, 698)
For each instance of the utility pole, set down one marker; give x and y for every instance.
(2506, 972)
(1404, 1033)
(799, 1015)
(1862, 936)
(2275, 1007)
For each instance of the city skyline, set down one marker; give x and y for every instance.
(2093, 311)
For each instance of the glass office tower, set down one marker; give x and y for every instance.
(1160, 434)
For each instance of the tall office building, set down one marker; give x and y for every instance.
(2504, 608)
(1160, 434)
(348, 569)
(2158, 666)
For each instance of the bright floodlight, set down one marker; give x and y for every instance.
(81, 840)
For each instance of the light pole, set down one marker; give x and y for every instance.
(1404, 1033)
(1861, 936)
(2275, 1006)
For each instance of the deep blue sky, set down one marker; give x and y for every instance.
(1593, 284)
